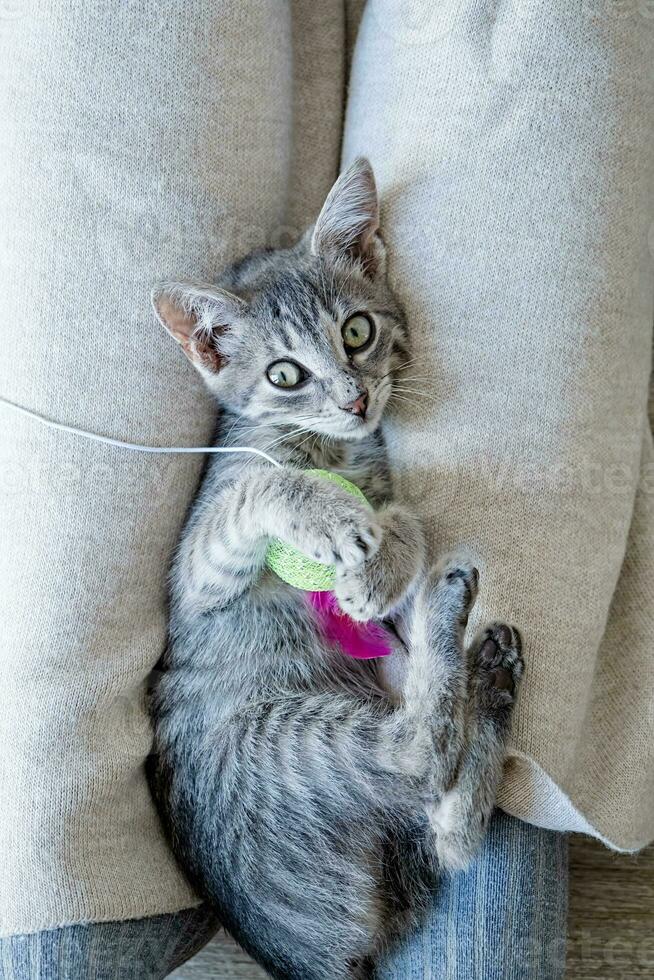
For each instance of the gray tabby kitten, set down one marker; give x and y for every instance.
(312, 798)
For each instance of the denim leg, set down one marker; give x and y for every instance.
(502, 919)
(137, 949)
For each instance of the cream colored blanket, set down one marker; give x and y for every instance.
(513, 144)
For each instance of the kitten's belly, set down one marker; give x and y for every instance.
(392, 672)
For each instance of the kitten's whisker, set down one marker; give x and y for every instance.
(413, 391)
(409, 387)
(395, 374)
(409, 360)
(306, 439)
(286, 436)
(402, 398)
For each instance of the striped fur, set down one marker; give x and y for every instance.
(311, 798)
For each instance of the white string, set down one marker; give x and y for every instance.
(136, 446)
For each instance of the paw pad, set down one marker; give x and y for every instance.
(500, 657)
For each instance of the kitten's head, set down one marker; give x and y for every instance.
(307, 336)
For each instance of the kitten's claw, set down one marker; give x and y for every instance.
(355, 542)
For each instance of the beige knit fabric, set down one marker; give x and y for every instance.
(139, 140)
(512, 142)
(513, 146)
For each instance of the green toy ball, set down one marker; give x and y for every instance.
(294, 567)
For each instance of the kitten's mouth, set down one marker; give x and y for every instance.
(350, 427)
(359, 426)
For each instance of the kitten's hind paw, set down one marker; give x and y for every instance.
(455, 583)
(499, 660)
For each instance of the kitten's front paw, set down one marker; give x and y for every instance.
(341, 532)
(370, 592)
(376, 588)
(357, 595)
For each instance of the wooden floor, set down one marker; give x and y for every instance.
(611, 923)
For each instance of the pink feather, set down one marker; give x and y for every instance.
(361, 640)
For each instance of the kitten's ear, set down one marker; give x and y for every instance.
(348, 225)
(197, 316)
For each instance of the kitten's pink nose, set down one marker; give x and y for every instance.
(358, 407)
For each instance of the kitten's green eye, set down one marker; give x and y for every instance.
(357, 332)
(285, 374)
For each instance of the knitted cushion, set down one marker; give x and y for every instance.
(140, 140)
(513, 148)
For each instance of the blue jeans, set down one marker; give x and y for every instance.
(503, 919)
